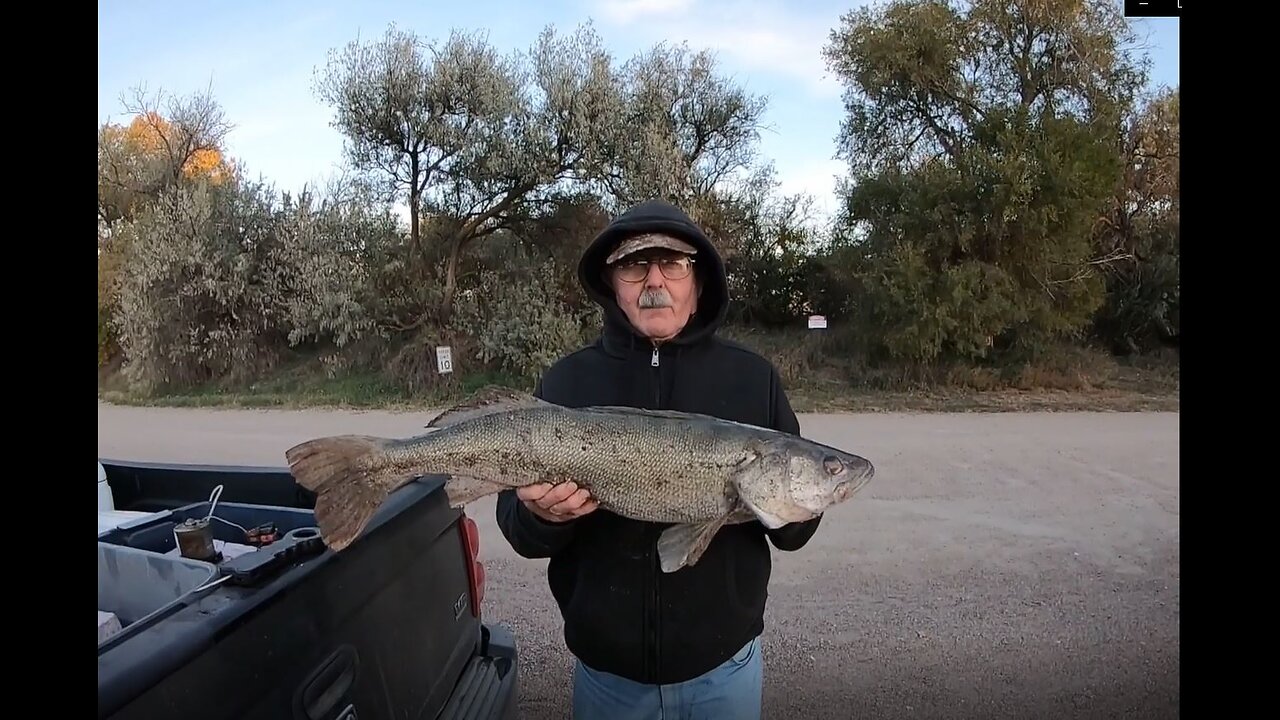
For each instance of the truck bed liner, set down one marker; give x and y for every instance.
(384, 629)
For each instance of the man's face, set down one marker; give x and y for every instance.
(658, 297)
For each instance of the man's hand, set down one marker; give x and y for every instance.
(557, 503)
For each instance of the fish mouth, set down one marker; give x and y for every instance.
(846, 489)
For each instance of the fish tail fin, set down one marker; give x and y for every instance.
(347, 485)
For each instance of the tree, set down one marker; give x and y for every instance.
(981, 137)
(137, 163)
(408, 108)
(473, 136)
(483, 142)
(682, 131)
(563, 100)
(767, 246)
(157, 150)
(1140, 232)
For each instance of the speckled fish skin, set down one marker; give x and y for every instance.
(646, 467)
(694, 471)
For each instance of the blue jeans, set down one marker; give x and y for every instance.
(732, 690)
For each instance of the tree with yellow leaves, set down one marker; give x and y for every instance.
(138, 160)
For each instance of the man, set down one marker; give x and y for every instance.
(651, 644)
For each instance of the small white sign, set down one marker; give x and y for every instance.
(444, 359)
(817, 322)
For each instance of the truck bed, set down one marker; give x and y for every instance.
(388, 628)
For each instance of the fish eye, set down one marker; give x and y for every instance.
(833, 465)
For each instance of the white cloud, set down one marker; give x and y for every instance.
(755, 36)
(788, 49)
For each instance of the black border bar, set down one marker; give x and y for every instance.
(1152, 8)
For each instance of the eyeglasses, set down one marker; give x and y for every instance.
(671, 268)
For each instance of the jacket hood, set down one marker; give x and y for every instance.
(657, 216)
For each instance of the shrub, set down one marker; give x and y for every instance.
(517, 321)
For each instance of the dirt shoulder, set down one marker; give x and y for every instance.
(1000, 565)
(803, 401)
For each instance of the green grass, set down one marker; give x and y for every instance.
(357, 390)
(302, 385)
(817, 381)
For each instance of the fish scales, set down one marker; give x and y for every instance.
(650, 468)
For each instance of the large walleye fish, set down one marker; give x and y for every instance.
(694, 471)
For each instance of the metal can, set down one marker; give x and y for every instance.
(195, 539)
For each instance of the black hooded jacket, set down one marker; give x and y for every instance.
(622, 614)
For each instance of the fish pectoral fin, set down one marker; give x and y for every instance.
(487, 401)
(683, 545)
(463, 489)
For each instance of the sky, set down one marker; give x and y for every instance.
(258, 60)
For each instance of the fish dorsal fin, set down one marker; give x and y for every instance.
(672, 415)
(628, 410)
(486, 401)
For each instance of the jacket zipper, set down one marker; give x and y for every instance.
(655, 626)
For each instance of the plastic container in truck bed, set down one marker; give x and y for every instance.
(276, 625)
(136, 588)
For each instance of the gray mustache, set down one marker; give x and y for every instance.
(656, 298)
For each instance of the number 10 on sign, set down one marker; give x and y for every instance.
(444, 359)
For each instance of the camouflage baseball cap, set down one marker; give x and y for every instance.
(646, 241)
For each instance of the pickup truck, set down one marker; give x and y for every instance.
(218, 600)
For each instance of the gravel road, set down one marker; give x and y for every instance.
(999, 566)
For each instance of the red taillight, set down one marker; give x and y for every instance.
(475, 569)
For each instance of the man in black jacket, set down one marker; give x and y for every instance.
(645, 639)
